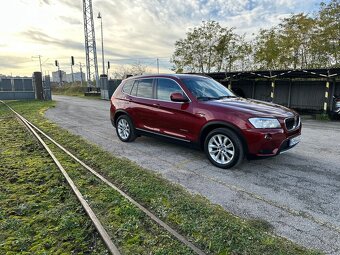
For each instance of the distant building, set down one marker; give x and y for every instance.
(77, 77)
(59, 76)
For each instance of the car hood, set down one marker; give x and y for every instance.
(254, 107)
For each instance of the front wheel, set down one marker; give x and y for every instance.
(125, 129)
(224, 148)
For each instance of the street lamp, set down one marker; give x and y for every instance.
(101, 25)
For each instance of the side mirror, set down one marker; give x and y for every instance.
(178, 97)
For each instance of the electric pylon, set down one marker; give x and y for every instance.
(90, 44)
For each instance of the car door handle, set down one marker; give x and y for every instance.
(156, 105)
(200, 114)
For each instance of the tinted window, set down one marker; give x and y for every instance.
(128, 86)
(145, 88)
(165, 88)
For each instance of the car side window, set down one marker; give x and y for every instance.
(145, 88)
(165, 88)
(134, 89)
(128, 86)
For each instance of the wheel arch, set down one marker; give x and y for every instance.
(207, 128)
(117, 114)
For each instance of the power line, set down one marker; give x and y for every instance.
(139, 58)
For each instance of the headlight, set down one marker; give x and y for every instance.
(265, 123)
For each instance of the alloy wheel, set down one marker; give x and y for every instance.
(123, 129)
(221, 149)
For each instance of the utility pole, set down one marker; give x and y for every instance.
(72, 64)
(101, 27)
(158, 65)
(39, 56)
(81, 74)
(90, 44)
(59, 72)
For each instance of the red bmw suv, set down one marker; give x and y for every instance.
(197, 109)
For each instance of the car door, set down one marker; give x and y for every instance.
(144, 106)
(174, 118)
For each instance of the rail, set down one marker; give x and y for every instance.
(101, 230)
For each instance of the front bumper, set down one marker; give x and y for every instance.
(270, 142)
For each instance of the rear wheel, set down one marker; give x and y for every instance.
(125, 129)
(224, 148)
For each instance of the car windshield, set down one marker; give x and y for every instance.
(206, 88)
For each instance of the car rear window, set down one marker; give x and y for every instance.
(145, 88)
(165, 88)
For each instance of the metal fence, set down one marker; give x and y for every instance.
(16, 88)
(47, 88)
(108, 87)
(297, 94)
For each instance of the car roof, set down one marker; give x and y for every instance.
(176, 76)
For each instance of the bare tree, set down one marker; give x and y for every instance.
(122, 71)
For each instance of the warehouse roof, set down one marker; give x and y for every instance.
(296, 73)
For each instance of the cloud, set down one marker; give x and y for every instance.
(137, 28)
(133, 29)
(42, 38)
(72, 3)
(71, 21)
(48, 2)
(12, 62)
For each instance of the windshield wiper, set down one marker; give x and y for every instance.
(221, 97)
(207, 98)
(213, 98)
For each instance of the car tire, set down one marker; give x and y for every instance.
(224, 148)
(125, 130)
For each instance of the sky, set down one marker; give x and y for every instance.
(134, 30)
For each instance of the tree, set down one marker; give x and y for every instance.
(207, 48)
(299, 41)
(295, 35)
(267, 49)
(120, 72)
(287, 46)
(244, 58)
(326, 44)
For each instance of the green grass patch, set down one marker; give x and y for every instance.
(208, 226)
(322, 116)
(38, 212)
(72, 90)
(69, 90)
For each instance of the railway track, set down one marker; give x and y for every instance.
(112, 248)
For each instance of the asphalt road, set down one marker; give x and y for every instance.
(297, 192)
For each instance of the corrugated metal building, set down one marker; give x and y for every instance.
(311, 89)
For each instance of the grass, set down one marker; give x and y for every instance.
(209, 226)
(38, 213)
(322, 117)
(71, 90)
